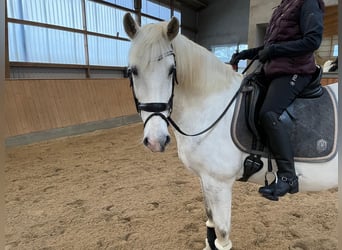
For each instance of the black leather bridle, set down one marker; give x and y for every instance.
(156, 108)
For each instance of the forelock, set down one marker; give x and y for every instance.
(149, 43)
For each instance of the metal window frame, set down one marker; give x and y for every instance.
(84, 31)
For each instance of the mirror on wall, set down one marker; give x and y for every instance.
(327, 54)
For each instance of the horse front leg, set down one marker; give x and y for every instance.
(218, 200)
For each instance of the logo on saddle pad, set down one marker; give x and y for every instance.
(322, 145)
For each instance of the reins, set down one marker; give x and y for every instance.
(178, 129)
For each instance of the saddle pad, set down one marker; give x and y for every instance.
(312, 126)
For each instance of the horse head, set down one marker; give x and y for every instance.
(152, 70)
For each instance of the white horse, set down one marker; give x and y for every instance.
(205, 86)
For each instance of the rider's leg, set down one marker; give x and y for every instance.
(281, 93)
(280, 145)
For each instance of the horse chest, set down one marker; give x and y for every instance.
(205, 154)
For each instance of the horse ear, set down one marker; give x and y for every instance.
(130, 25)
(172, 28)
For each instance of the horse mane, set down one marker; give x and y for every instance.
(196, 66)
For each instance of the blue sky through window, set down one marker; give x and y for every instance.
(335, 52)
(225, 52)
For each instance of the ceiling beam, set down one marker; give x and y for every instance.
(194, 4)
(201, 2)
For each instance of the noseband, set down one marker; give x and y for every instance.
(156, 108)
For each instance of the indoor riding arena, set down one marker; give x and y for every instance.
(78, 175)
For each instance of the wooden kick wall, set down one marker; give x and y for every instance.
(38, 105)
(326, 81)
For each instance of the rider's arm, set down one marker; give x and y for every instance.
(311, 25)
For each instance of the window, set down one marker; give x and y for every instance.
(34, 44)
(225, 52)
(107, 51)
(123, 3)
(64, 13)
(154, 11)
(105, 20)
(335, 51)
(74, 32)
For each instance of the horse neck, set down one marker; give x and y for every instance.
(200, 70)
(205, 83)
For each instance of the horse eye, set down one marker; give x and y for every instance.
(172, 70)
(134, 70)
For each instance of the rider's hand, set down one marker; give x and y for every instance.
(236, 57)
(264, 55)
(244, 54)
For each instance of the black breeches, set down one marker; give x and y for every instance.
(282, 91)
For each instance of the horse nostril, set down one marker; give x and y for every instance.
(145, 141)
(168, 139)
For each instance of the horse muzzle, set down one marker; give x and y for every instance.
(157, 145)
(156, 134)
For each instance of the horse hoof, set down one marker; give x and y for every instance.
(227, 246)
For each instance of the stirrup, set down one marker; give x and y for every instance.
(271, 173)
(267, 185)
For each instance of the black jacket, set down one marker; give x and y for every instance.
(312, 35)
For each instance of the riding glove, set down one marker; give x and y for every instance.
(245, 54)
(264, 55)
(236, 57)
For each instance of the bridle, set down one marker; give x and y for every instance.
(156, 108)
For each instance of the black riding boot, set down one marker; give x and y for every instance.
(280, 146)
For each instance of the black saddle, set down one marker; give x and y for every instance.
(314, 88)
(311, 121)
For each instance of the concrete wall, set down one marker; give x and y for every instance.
(223, 22)
(189, 23)
(259, 15)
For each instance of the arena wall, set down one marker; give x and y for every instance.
(41, 105)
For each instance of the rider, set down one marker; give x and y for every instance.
(293, 34)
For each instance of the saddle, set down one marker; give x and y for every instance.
(311, 121)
